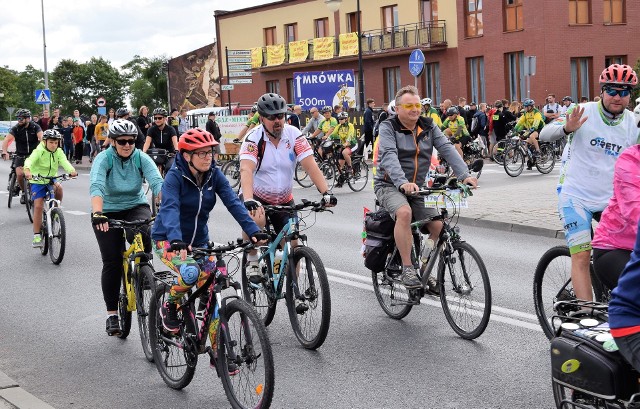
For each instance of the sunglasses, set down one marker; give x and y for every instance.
(203, 154)
(612, 92)
(23, 118)
(158, 118)
(274, 117)
(416, 105)
(123, 142)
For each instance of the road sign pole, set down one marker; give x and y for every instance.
(226, 52)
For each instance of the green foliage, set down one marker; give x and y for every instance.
(8, 86)
(148, 81)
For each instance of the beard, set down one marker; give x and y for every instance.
(276, 132)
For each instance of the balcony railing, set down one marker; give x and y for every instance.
(431, 34)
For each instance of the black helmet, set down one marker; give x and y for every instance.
(271, 104)
(567, 98)
(452, 111)
(121, 127)
(327, 108)
(160, 111)
(23, 113)
(51, 134)
(122, 112)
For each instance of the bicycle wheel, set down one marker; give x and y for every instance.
(231, 171)
(359, 175)
(498, 151)
(11, 187)
(154, 205)
(302, 177)
(175, 365)
(58, 240)
(392, 296)
(262, 301)
(145, 285)
(513, 161)
(249, 354)
(329, 174)
(45, 235)
(311, 326)
(28, 201)
(547, 159)
(123, 314)
(465, 291)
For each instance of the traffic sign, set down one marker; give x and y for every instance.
(227, 87)
(240, 73)
(239, 52)
(416, 62)
(241, 81)
(43, 96)
(239, 60)
(101, 102)
(320, 88)
(239, 67)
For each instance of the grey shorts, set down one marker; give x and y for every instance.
(392, 199)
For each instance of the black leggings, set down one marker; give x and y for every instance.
(608, 265)
(112, 245)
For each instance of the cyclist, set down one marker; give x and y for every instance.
(162, 136)
(254, 120)
(124, 113)
(27, 135)
(406, 143)
(267, 163)
(44, 161)
(116, 192)
(189, 193)
(428, 111)
(325, 127)
(598, 133)
(455, 128)
(532, 121)
(345, 135)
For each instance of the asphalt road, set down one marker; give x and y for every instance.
(52, 339)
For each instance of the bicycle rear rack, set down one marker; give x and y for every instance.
(165, 277)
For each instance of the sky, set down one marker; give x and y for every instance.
(115, 30)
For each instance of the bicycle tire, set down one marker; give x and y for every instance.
(313, 338)
(359, 175)
(45, 235)
(498, 151)
(387, 290)
(552, 283)
(145, 285)
(231, 171)
(123, 315)
(12, 187)
(513, 161)
(462, 302)
(28, 201)
(253, 385)
(171, 361)
(329, 173)
(302, 177)
(58, 241)
(264, 304)
(547, 160)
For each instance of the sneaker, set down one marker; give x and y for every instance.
(22, 199)
(301, 306)
(409, 279)
(169, 314)
(253, 272)
(113, 326)
(37, 241)
(202, 305)
(432, 286)
(16, 191)
(232, 368)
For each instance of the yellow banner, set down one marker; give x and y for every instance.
(323, 48)
(298, 51)
(348, 44)
(256, 57)
(275, 54)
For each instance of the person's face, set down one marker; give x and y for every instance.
(125, 145)
(566, 102)
(45, 114)
(371, 104)
(200, 159)
(528, 108)
(56, 112)
(145, 111)
(112, 113)
(409, 108)
(617, 102)
(103, 120)
(342, 121)
(551, 99)
(94, 119)
(76, 113)
(183, 114)
(24, 120)
(52, 144)
(327, 114)
(314, 112)
(159, 120)
(274, 124)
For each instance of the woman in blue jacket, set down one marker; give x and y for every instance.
(188, 196)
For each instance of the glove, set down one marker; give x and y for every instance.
(259, 236)
(329, 199)
(252, 204)
(177, 245)
(98, 218)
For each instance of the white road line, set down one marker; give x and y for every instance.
(76, 212)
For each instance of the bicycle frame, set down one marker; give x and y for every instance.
(49, 203)
(132, 257)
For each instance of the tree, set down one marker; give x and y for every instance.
(8, 86)
(148, 81)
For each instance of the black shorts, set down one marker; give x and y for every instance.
(464, 140)
(18, 161)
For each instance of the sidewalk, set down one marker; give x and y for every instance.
(12, 396)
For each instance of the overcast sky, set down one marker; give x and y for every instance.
(113, 29)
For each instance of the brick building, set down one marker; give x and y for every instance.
(473, 48)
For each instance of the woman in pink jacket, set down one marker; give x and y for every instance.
(616, 234)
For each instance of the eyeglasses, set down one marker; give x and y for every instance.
(612, 92)
(158, 118)
(274, 117)
(203, 154)
(123, 142)
(416, 105)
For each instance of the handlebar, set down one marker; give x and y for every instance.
(210, 249)
(63, 177)
(315, 206)
(116, 223)
(447, 188)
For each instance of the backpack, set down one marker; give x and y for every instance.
(476, 125)
(136, 158)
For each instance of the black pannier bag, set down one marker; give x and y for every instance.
(158, 155)
(379, 241)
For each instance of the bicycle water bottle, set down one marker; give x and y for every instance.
(427, 248)
(277, 261)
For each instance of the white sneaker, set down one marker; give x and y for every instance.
(253, 272)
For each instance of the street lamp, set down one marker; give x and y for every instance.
(334, 5)
(44, 47)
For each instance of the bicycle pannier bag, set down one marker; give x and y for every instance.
(158, 155)
(379, 242)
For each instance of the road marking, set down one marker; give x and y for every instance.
(76, 212)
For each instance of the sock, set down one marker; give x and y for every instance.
(36, 235)
(112, 315)
(253, 257)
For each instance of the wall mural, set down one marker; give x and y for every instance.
(194, 80)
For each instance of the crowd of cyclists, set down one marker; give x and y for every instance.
(599, 174)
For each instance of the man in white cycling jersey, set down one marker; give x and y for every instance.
(598, 133)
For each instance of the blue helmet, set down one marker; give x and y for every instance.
(528, 102)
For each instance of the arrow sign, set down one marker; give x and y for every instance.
(416, 62)
(43, 96)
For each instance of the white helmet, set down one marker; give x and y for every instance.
(391, 109)
(121, 127)
(425, 101)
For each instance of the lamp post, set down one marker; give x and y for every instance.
(44, 47)
(334, 5)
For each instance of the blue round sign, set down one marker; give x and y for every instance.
(416, 62)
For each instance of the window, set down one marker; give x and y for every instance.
(390, 18)
(428, 12)
(580, 78)
(290, 90)
(614, 12)
(579, 11)
(392, 82)
(270, 36)
(475, 74)
(273, 87)
(321, 27)
(432, 83)
(514, 67)
(513, 19)
(473, 18)
(290, 32)
(615, 59)
(352, 22)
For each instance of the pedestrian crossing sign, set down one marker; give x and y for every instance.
(43, 96)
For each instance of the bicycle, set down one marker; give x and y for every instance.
(301, 176)
(12, 184)
(356, 177)
(231, 169)
(307, 286)
(240, 341)
(462, 278)
(520, 151)
(138, 283)
(52, 230)
(160, 158)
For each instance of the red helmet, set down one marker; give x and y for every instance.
(195, 138)
(619, 74)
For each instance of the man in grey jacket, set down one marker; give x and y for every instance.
(404, 156)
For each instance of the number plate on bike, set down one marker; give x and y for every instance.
(453, 199)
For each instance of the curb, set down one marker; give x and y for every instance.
(12, 396)
(512, 227)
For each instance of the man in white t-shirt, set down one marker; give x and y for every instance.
(550, 111)
(598, 133)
